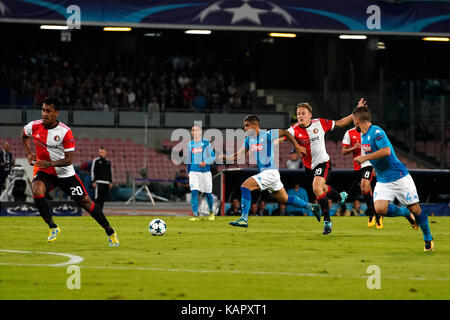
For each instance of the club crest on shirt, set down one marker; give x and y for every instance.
(57, 138)
(316, 130)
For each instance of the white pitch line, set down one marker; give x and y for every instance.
(77, 259)
(295, 274)
(73, 259)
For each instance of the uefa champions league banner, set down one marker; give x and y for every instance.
(27, 209)
(425, 17)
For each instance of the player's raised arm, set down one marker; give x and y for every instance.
(349, 119)
(285, 134)
(235, 156)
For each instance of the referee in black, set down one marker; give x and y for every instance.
(101, 176)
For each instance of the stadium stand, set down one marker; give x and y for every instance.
(96, 81)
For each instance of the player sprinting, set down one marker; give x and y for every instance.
(261, 143)
(52, 162)
(363, 173)
(310, 133)
(393, 178)
(200, 155)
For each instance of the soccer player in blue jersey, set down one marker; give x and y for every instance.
(393, 179)
(261, 143)
(200, 154)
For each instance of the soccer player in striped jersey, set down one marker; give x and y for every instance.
(261, 143)
(52, 163)
(200, 155)
(310, 134)
(393, 178)
(363, 174)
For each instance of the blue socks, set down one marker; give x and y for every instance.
(194, 202)
(246, 202)
(297, 202)
(422, 221)
(395, 211)
(210, 201)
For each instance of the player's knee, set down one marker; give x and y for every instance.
(415, 209)
(38, 189)
(380, 208)
(85, 203)
(365, 189)
(318, 190)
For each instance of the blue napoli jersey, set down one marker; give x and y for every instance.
(262, 146)
(197, 152)
(389, 168)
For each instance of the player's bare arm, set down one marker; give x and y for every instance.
(235, 156)
(349, 119)
(26, 145)
(67, 161)
(347, 150)
(284, 133)
(384, 152)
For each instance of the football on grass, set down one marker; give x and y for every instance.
(157, 227)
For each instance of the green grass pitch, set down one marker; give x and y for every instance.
(281, 258)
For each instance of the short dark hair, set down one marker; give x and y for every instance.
(252, 118)
(362, 113)
(304, 105)
(56, 102)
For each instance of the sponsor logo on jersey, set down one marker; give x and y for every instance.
(256, 147)
(197, 150)
(366, 148)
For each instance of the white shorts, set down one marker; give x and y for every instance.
(269, 179)
(403, 189)
(201, 181)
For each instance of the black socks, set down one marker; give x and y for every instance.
(44, 210)
(97, 213)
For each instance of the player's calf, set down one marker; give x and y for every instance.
(96, 213)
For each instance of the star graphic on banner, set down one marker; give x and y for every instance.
(278, 10)
(245, 12)
(213, 8)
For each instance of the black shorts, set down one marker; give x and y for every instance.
(322, 170)
(72, 186)
(365, 173)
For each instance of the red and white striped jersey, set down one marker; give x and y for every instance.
(51, 145)
(351, 137)
(313, 139)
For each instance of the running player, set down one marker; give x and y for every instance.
(393, 179)
(261, 143)
(200, 155)
(310, 133)
(363, 174)
(52, 163)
